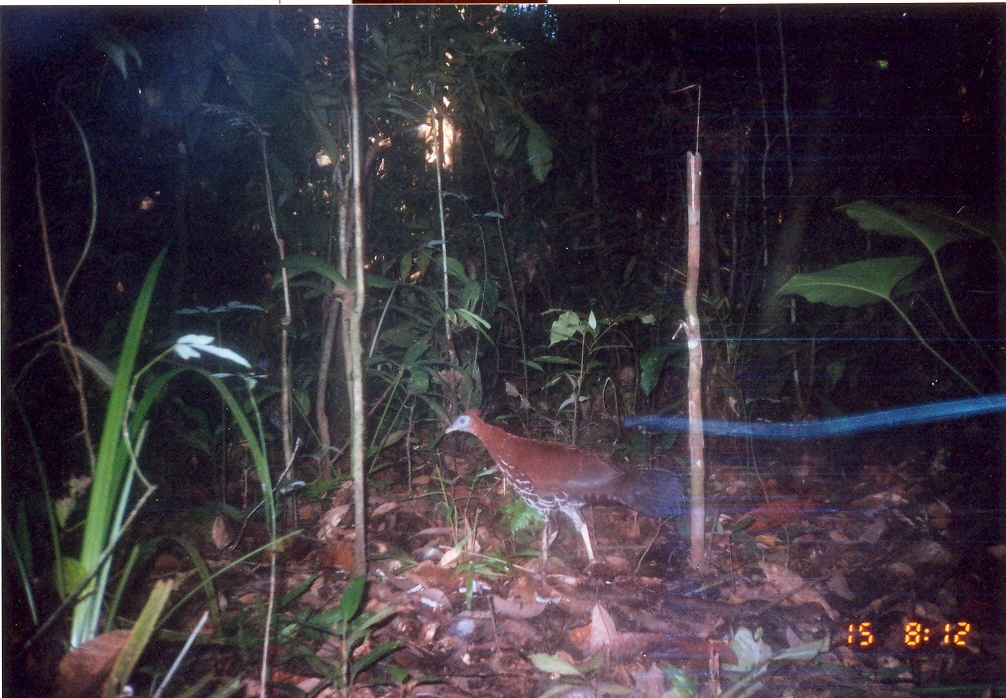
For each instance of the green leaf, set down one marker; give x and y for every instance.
(100, 370)
(397, 673)
(367, 621)
(197, 440)
(852, 285)
(301, 262)
(506, 140)
(351, 597)
(140, 635)
(73, 574)
(415, 351)
(455, 269)
(374, 654)
(474, 320)
(419, 381)
(565, 327)
(879, 219)
(297, 591)
(110, 466)
(238, 78)
(539, 153)
(551, 664)
(375, 281)
(650, 366)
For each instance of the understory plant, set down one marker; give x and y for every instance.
(884, 279)
(343, 629)
(83, 580)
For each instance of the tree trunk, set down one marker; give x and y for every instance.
(789, 243)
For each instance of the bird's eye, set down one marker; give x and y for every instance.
(464, 421)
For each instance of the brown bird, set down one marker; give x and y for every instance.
(550, 476)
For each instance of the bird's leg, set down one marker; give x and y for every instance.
(544, 546)
(571, 510)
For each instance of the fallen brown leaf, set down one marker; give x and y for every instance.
(83, 671)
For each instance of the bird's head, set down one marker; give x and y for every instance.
(465, 422)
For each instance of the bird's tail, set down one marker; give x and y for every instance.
(656, 493)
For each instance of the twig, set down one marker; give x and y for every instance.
(77, 376)
(181, 655)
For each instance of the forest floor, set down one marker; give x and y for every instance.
(820, 578)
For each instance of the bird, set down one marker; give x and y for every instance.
(552, 476)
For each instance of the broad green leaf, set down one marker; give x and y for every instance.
(880, 219)
(852, 285)
(650, 366)
(301, 262)
(551, 664)
(369, 620)
(239, 78)
(319, 119)
(374, 281)
(455, 268)
(419, 381)
(351, 597)
(415, 351)
(539, 152)
(565, 327)
(405, 266)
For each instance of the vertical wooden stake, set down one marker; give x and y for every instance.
(696, 443)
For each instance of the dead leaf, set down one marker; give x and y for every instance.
(580, 638)
(777, 513)
(435, 599)
(602, 629)
(520, 632)
(785, 582)
(873, 532)
(449, 558)
(167, 564)
(221, 534)
(902, 570)
(384, 508)
(929, 552)
(838, 585)
(330, 522)
(83, 671)
(518, 608)
(649, 682)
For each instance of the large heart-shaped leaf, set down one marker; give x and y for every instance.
(852, 285)
(929, 230)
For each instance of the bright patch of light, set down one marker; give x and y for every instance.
(321, 159)
(425, 132)
(316, 23)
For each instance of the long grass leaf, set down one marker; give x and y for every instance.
(110, 465)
